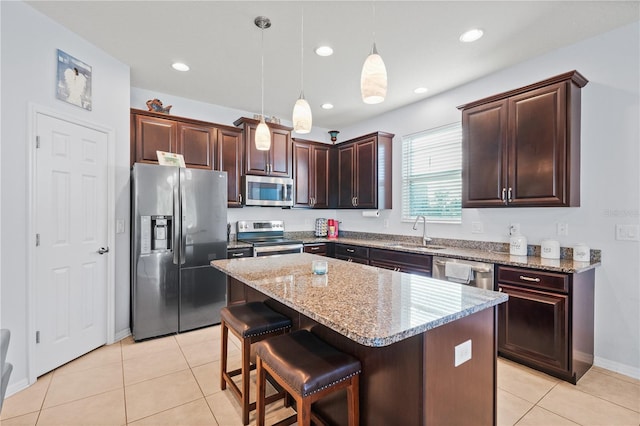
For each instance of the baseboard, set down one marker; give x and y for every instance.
(617, 367)
(122, 334)
(16, 387)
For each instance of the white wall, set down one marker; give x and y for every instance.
(28, 60)
(610, 186)
(610, 181)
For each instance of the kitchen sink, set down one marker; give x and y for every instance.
(415, 246)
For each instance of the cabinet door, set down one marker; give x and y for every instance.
(197, 144)
(484, 156)
(537, 147)
(346, 160)
(230, 155)
(320, 181)
(280, 153)
(366, 174)
(302, 174)
(154, 134)
(256, 160)
(533, 326)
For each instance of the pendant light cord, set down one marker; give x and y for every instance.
(302, 55)
(262, 71)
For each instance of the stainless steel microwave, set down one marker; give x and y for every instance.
(267, 191)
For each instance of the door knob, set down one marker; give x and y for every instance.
(103, 250)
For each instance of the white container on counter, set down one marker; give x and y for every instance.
(518, 245)
(550, 249)
(581, 253)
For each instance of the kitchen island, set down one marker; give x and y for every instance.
(412, 334)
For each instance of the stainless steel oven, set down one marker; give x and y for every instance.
(267, 237)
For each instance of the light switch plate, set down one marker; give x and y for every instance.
(628, 232)
(120, 226)
(462, 353)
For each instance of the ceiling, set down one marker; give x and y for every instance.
(418, 41)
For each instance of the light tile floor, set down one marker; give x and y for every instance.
(175, 381)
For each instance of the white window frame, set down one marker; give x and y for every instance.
(445, 142)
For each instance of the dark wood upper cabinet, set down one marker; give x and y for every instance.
(153, 134)
(311, 173)
(522, 148)
(276, 161)
(197, 144)
(195, 140)
(231, 154)
(364, 172)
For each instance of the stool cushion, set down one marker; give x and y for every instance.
(254, 318)
(305, 362)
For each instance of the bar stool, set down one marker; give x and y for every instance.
(250, 322)
(308, 369)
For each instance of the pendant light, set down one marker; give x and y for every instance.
(301, 110)
(373, 80)
(263, 136)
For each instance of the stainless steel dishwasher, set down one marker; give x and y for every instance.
(481, 273)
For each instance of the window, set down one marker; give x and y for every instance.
(432, 174)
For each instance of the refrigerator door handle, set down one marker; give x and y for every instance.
(176, 225)
(183, 227)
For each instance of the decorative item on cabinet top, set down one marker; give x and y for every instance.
(155, 105)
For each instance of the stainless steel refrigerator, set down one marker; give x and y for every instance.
(179, 225)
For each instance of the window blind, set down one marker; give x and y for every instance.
(432, 174)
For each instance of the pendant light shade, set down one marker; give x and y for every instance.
(301, 110)
(262, 137)
(302, 116)
(373, 80)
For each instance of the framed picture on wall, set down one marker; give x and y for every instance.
(73, 81)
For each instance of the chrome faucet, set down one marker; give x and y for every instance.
(425, 239)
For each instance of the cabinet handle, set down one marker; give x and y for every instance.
(351, 250)
(504, 195)
(355, 201)
(350, 260)
(534, 280)
(509, 196)
(240, 198)
(237, 254)
(500, 290)
(314, 248)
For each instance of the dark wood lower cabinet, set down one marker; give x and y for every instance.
(534, 325)
(548, 321)
(357, 254)
(320, 249)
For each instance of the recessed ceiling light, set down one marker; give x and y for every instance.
(324, 51)
(327, 106)
(420, 90)
(471, 35)
(179, 66)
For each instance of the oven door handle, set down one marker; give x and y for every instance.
(267, 249)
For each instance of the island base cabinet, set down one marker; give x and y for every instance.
(414, 381)
(463, 394)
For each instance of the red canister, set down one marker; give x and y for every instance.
(332, 229)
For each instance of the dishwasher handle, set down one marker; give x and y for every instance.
(482, 270)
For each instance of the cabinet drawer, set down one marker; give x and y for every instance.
(241, 252)
(533, 278)
(352, 251)
(419, 261)
(320, 249)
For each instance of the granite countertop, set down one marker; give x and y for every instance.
(371, 306)
(482, 252)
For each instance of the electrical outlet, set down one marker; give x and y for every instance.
(477, 228)
(562, 229)
(627, 232)
(514, 229)
(462, 353)
(120, 226)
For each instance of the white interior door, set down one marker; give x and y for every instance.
(71, 225)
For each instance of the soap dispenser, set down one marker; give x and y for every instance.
(517, 243)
